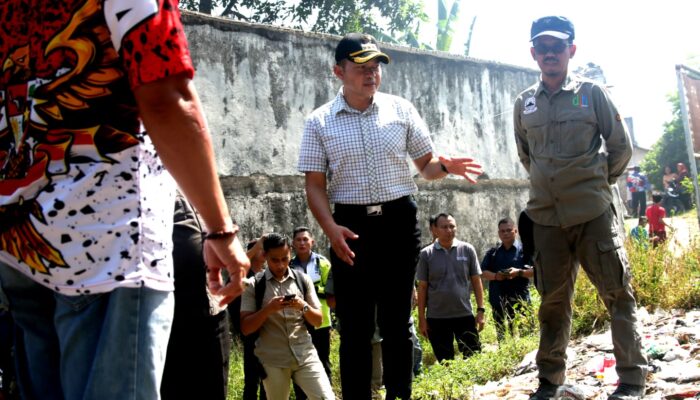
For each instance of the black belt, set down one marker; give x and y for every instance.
(373, 210)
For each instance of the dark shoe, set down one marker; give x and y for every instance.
(546, 391)
(627, 391)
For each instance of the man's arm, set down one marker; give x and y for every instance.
(257, 247)
(422, 303)
(479, 296)
(432, 167)
(174, 120)
(520, 136)
(485, 267)
(617, 141)
(251, 321)
(317, 198)
(313, 315)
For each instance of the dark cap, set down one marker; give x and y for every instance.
(558, 27)
(359, 48)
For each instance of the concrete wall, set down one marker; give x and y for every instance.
(257, 83)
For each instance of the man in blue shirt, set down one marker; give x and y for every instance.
(508, 273)
(637, 184)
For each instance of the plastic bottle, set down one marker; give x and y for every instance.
(609, 373)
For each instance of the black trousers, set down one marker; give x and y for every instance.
(443, 332)
(196, 364)
(321, 338)
(639, 204)
(380, 281)
(504, 313)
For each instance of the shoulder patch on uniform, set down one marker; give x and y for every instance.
(529, 105)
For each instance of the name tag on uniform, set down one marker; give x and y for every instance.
(462, 258)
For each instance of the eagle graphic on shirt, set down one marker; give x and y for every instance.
(54, 91)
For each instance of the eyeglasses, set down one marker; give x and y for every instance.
(556, 48)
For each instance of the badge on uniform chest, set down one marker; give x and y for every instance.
(530, 105)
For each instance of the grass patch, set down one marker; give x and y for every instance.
(666, 277)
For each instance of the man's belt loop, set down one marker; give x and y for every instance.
(374, 211)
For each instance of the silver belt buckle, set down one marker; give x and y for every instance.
(374, 211)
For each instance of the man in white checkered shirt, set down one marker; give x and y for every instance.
(353, 153)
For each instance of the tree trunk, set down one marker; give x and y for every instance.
(205, 6)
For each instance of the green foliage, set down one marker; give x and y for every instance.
(454, 379)
(235, 371)
(445, 22)
(377, 17)
(666, 277)
(670, 149)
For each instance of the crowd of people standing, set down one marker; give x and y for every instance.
(108, 284)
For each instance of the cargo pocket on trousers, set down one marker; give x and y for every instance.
(537, 269)
(614, 266)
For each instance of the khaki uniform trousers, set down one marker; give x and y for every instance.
(598, 246)
(310, 377)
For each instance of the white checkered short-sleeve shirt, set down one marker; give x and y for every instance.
(364, 153)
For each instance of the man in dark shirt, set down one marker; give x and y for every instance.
(507, 270)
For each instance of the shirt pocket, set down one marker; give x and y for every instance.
(340, 138)
(576, 132)
(535, 125)
(391, 137)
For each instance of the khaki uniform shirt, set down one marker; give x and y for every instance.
(574, 145)
(284, 340)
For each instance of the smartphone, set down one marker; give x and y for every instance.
(289, 297)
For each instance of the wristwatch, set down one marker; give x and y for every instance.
(480, 310)
(305, 309)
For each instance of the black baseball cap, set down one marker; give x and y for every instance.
(558, 27)
(359, 48)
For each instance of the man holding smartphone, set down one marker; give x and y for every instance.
(508, 273)
(279, 312)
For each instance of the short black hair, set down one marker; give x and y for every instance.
(506, 220)
(300, 229)
(441, 215)
(275, 240)
(251, 243)
(656, 198)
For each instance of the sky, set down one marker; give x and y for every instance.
(637, 45)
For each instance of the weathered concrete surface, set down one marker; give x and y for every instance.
(257, 83)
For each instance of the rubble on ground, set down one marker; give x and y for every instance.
(671, 341)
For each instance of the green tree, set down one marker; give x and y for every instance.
(670, 149)
(445, 22)
(382, 18)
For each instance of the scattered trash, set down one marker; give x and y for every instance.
(671, 340)
(569, 392)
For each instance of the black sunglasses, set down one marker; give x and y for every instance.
(556, 48)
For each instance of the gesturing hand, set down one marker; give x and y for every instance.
(338, 236)
(225, 253)
(462, 166)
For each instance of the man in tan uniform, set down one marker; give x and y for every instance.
(561, 124)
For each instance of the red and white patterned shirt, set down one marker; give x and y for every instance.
(85, 204)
